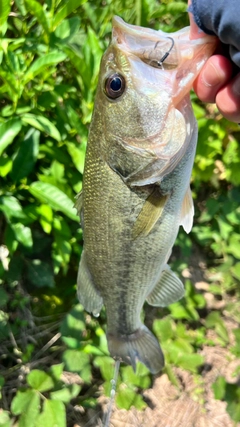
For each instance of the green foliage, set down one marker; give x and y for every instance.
(230, 393)
(179, 344)
(42, 403)
(187, 307)
(49, 55)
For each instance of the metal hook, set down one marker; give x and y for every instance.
(160, 63)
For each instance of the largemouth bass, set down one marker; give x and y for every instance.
(136, 190)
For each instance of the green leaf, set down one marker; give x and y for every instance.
(4, 419)
(39, 380)
(183, 311)
(233, 408)
(131, 378)
(53, 414)
(127, 397)
(11, 207)
(4, 297)
(57, 171)
(163, 329)
(26, 403)
(66, 394)
(74, 323)
(5, 6)
(190, 362)
(2, 381)
(67, 30)
(171, 375)
(61, 226)
(63, 249)
(41, 123)
(63, 395)
(77, 153)
(23, 234)
(40, 273)
(65, 10)
(77, 361)
(5, 165)
(236, 349)
(219, 388)
(214, 320)
(26, 156)
(234, 245)
(8, 131)
(106, 366)
(46, 217)
(42, 63)
(176, 7)
(36, 9)
(48, 193)
(56, 371)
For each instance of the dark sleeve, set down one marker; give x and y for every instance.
(220, 17)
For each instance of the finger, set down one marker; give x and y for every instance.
(215, 74)
(228, 100)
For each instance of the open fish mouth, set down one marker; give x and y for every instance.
(153, 46)
(175, 55)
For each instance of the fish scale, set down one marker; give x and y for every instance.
(136, 193)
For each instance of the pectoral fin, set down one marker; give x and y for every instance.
(169, 289)
(150, 213)
(187, 212)
(88, 295)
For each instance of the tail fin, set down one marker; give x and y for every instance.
(141, 345)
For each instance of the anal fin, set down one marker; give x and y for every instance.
(169, 289)
(88, 295)
(150, 214)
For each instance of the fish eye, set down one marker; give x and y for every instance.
(114, 85)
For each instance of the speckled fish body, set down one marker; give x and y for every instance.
(136, 191)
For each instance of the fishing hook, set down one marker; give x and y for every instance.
(160, 63)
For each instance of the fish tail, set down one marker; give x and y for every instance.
(141, 345)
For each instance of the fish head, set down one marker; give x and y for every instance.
(144, 72)
(145, 76)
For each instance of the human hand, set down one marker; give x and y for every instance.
(215, 82)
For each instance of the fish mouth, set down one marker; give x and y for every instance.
(152, 46)
(170, 61)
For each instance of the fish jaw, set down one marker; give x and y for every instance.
(146, 47)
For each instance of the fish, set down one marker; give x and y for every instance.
(136, 182)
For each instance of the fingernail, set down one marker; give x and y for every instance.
(211, 76)
(236, 86)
